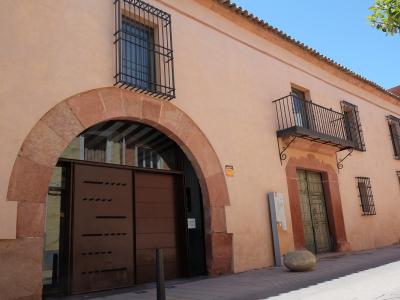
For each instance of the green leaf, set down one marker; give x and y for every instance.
(385, 16)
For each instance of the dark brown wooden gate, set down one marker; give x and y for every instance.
(160, 223)
(102, 229)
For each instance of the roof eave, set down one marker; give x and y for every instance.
(250, 17)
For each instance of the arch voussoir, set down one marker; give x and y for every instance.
(63, 121)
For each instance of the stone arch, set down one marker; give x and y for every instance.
(53, 133)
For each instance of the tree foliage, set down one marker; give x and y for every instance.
(386, 16)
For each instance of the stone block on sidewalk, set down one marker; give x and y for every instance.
(300, 261)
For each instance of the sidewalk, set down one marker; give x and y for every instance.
(381, 283)
(258, 284)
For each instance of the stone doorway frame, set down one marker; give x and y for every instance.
(21, 272)
(332, 199)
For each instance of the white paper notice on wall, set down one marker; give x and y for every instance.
(191, 223)
(279, 201)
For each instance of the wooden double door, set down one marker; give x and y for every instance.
(317, 236)
(119, 218)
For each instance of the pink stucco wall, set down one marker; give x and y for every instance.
(227, 73)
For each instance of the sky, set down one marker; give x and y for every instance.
(337, 29)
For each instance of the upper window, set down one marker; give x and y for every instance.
(298, 94)
(366, 197)
(143, 44)
(394, 128)
(353, 125)
(300, 111)
(137, 65)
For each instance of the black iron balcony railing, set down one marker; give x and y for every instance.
(302, 118)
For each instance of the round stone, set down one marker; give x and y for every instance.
(300, 261)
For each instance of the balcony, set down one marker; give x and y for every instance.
(304, 119)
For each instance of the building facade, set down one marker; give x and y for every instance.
(128, 126)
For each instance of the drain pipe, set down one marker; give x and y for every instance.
(160, 274)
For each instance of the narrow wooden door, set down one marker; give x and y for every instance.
(315, 220)
(102, 229)
(159, 224)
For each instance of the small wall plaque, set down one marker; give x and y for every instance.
(279, 199)
(191, 223)
(229, 170)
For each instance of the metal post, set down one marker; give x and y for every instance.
(274, 228)
(160, 274)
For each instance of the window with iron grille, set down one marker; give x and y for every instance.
(398, 175)
(394, 128)
(365, 194)
(353, 125)
(143, 46)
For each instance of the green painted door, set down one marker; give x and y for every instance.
(313, 210)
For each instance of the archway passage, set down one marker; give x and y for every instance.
(42, 148)
(120, 191)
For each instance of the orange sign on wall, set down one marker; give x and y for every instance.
(229, 170)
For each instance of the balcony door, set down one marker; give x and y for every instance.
(303, 110)
(299, 109)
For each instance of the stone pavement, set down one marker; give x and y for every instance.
(258, 284)
(380, 283)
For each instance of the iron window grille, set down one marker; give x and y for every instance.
(353, 125)
(143, 47)
(394, 129)
(366, 197)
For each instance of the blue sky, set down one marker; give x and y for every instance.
(338, 29)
